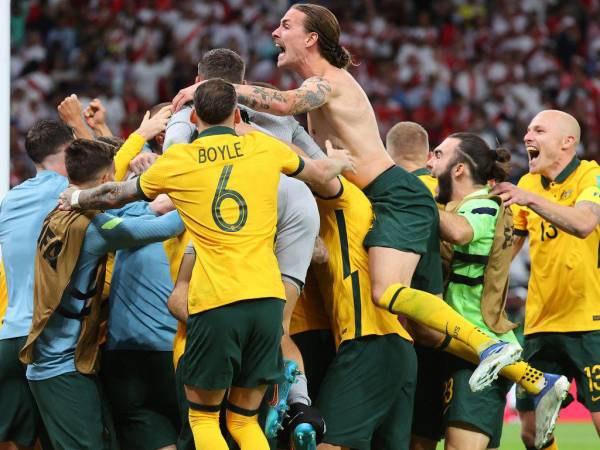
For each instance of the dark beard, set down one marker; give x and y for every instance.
(444, 188)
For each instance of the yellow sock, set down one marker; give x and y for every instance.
(433, 312)
(206, 431)
(551, 446)
(245, 430)
(529, 378)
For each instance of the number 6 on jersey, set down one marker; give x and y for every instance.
(221, 195)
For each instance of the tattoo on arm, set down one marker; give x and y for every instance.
(313, 93)
(593, 207)
(110, 195)
(261, 99)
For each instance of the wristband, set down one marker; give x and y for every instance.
(75, 198)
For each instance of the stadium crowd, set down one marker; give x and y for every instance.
(356, 296)
(470, 64)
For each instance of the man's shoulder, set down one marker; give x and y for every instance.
(34, 192)
(530, 182)
(484, 206)
(588, 168)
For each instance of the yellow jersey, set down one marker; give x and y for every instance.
(425, 176)
(309, 313)
(344, 281)
(3, 294)
(225, 189)
(564, 284)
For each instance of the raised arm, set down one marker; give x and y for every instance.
(134, 144)
(70, 112)
(312, 94)
(579, 220)
(95, 117)
(106, 196)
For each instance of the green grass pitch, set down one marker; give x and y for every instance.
(569, 436)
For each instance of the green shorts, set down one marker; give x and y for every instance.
(140, 386)
(367, 395)
(235, 345)
(318, 350)
(575, 355)
(428, 409)
(483, 410)
(407, 219)
(20, 420)
(75, 412)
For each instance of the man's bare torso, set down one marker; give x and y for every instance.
(348, 120)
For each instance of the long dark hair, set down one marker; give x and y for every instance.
(323, 22)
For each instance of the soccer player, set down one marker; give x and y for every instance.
(476, 225)
(403, 242)
(408, 145)
(235, 301)
(559, 210)
(297, 215)
(21, 216)
(137, 361)
(366, 396)
(62, 347)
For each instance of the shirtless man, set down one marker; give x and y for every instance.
(403, 243)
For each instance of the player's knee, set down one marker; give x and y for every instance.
(377, 291)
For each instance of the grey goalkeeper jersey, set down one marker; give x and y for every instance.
(286, 128)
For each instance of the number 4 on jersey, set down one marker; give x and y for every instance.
(221, 195)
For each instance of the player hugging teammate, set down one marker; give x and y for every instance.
(177, 309)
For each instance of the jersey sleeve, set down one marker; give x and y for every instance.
(291, 164)
(179, 129)
(481, 215)
(129, 150)
(154, 180)
(189, 249)
(589, 187)
(520, 213)
(117, 232)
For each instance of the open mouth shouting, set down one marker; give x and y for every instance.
(534, 153)
(281, 49)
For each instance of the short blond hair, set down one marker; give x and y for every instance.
(408, 141)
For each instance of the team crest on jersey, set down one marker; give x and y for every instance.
(598, 180)
(566, 194)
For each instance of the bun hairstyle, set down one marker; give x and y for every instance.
(323, 22)
(485, 164)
